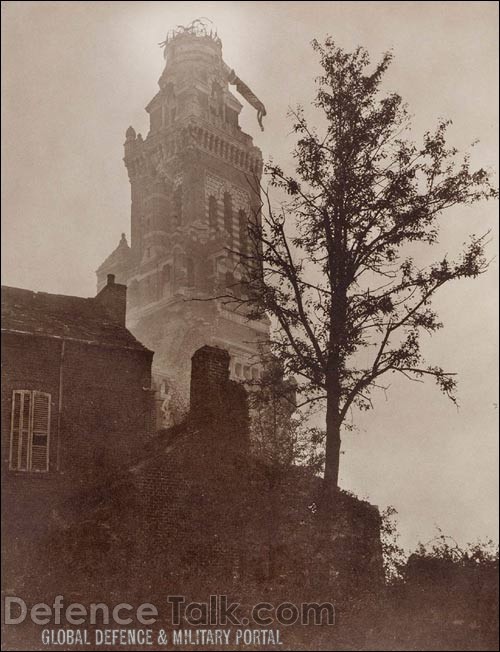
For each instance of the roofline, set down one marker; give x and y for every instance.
(140, 346)
(51, 294)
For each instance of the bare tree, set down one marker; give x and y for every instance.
(333, 264)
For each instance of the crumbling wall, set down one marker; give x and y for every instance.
(197, 513)
(207, 511)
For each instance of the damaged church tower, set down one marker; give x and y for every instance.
(194, 186)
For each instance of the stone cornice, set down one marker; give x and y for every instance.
(187, 136)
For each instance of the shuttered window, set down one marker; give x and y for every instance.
(30, 431)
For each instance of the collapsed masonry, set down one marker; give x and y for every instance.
(196, 511)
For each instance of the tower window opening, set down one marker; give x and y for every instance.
(178, 206)
(228, 213)
(217, 97)
(212, 212)
(230, 281)
(148, 289)
(165, 278)
(243, 231)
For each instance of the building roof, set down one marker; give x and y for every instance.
(62, 316)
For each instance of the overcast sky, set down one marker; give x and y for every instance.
(77, 74)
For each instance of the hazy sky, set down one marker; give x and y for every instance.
(77, 74)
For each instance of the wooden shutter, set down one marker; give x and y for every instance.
(20, 429)
(40, 432)
(30, 431)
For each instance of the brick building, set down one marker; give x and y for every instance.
(76, 382)
(76, 400)
(194, 188)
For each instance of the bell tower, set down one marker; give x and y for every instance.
(194, 187)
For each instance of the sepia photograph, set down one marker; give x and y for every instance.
(249, 325)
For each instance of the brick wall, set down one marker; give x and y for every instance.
(105, 402)
(103, 414)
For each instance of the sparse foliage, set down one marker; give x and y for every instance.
(333, 265)
(393, 554)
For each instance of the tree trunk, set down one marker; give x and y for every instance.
(332, 453)
(335, 365)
